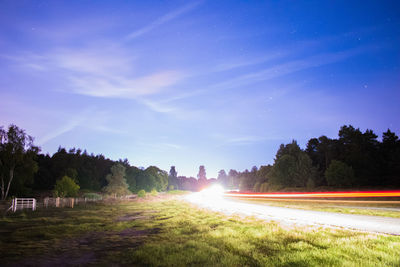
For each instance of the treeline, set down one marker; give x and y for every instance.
(24, 170)
(355, 159)
(90, 171)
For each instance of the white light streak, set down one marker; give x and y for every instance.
(295, 216)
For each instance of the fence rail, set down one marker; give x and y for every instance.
(66, 201)
(23, 203)
(58, 202)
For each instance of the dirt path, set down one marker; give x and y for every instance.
(90, 248)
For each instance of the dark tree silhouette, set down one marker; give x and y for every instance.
(17, 164)
(292, 167)
(173, 178)
(202, 173)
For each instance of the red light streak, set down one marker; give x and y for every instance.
(352, 194)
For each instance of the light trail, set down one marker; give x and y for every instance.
(217, 202)
(333, 201)
(352, 194)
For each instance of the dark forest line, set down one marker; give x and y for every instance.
(354, 160)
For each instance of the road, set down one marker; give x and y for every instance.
(375, 224)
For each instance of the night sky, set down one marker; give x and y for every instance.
(214, 83)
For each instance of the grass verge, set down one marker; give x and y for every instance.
(170, 232)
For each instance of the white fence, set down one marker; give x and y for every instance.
(58, 202)
(23, 203)
(31, 203)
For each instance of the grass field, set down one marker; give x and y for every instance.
(373, 208)
(165, 231)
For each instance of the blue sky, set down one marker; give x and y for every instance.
(214, 83)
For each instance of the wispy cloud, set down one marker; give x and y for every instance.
(281, 52)
(290, 67)
(227, 140)
(100, 73)
(106, 74)
(121, 87)
(157, 106)
(99, 60)
(161, 20)
(89, 118)
(244, 140)
(276, 69)
(66, 127)
(248, 62)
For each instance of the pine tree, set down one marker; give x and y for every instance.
(117, 185)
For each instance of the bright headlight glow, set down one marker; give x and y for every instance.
(213, 191)
(212, 195)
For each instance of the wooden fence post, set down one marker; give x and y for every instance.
(14, 206)
(46, 202)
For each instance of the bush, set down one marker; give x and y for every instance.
(339, 174)
(171, 187)
(256, 187)
(274, 188)
(66, 187)
(154, 192)
(264, 187)
(141, 193)
(310, 183)
(177, 192)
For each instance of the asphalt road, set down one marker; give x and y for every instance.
(367, 223)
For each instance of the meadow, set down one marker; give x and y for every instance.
(166, 231)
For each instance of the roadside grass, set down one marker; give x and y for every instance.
(347, 207)
(177, 192)
(170, 232)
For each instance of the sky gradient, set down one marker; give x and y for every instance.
(214, 83)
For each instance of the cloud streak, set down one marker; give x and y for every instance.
(99, 74)
(89, 118)
(244, 140)
(249, 62)
(120, 87)
(289, 67)
(161, 20)
(67, 127)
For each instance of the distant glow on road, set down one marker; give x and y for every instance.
(212, 194)
(352, 194)
(214, 190)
